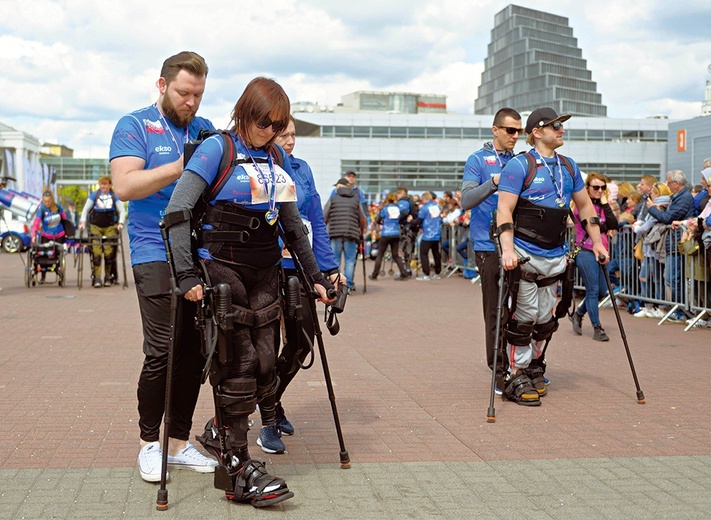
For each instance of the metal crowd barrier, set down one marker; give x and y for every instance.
(673, 274)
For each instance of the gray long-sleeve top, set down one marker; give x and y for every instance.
(185, 196)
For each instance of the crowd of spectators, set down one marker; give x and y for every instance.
(661, 251)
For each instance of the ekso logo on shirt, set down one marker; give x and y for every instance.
(163, 150)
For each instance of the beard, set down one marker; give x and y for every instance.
(169, 111)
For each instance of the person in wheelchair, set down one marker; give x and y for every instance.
(106, 217)
(47, 227)
(238, 245)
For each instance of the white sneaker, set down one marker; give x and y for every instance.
(655, 313)
(642, 313)
(150, 459)
(191, 458)
(424, 278)
(436, 277)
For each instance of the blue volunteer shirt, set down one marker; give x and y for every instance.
(481, 166)
(390, 216)
(542, 191)
(431, 216)
(147, 135)
(309, 203)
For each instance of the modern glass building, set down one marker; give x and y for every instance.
(425, 152)
(533, 61)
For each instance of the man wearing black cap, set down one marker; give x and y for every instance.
(345, 221)
(535, 192)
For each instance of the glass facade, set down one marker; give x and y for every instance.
(533, 61)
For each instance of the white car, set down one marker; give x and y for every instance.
(14, 235)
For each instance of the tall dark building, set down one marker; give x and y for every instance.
(534, 61)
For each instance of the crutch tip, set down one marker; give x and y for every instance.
(162, 500)
(345, 460)
(490, 419)
(640, 397)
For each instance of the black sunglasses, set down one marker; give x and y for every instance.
(598, 188)
(556, 126)
(265, 122)
(511, 130)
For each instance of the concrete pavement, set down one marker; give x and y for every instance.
(412, 389)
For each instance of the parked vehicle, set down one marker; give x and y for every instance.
(14, 235)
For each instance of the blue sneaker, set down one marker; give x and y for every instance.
(269, 440)
(546, 380)
(282, 423)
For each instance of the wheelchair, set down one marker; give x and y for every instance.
(45, 258)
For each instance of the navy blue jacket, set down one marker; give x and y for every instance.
(681, 206)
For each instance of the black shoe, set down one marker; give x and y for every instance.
(401, 278)
(577, 320)
(96, 282)
(255, 486)
(107, 282)
(373, 276)
(599, 334)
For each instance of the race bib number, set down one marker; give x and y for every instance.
(434, 211)
(260, 180)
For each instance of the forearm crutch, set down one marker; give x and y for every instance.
(491, 412)
(308, 284)
(162, 497)
(640, 394)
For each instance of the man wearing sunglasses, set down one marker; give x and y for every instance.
(480, 194)
(535, 192)
(146, 162)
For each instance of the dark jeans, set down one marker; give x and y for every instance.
(425, 247)
(153, 290)
(594, 282)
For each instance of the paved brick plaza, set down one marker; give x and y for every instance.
(412, 390)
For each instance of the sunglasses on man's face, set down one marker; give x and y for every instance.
(598, 188)
(555, 126)
(511, 130)
(265, 122)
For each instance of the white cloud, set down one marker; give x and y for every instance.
(71, 68)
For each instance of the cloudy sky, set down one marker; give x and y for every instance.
(70, 68)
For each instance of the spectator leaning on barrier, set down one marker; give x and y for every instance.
(480, 186)
(644, 188)
(653, 235)
(681, 206)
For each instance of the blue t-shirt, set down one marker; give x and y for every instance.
(404, 205)
(481, 166)
(250, 184)
(542, 191)
(431, 216)
(147, 135)
(309, 203)
(390, 216)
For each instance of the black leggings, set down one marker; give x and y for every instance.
(425, 247)
(393, 242)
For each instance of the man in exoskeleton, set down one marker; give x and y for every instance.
(535, 192)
